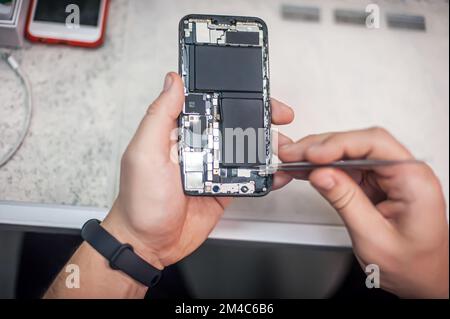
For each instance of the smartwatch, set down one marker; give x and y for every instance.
(120, 256)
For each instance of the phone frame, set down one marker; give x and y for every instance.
(58, 33)
(224, 18)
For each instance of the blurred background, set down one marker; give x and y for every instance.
(336, 73)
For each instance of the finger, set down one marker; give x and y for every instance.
(354, 207)
(296, 151)
(281, 113)
(154, 131)
(280, 179)
(283, 139)
(170, 102)
(278, 140)
(375, 143)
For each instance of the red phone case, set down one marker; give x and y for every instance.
(61, 41)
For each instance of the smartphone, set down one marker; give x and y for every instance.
(72, 22)
(224, 127)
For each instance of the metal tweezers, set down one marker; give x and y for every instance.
(363, 164)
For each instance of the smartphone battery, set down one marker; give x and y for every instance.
(232, 69)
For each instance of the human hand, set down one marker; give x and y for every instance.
(395, 215)
(151, 212)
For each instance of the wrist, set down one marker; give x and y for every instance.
(118, 227)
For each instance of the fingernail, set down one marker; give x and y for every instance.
(325, 183)
(168, 82)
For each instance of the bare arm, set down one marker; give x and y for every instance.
(151, 213)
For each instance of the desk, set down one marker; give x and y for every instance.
(89, 102)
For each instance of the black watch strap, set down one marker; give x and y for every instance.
(120, 256)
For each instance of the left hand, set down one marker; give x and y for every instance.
(151, 212)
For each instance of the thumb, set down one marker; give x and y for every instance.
(169, 103)
(154, 133)
(354, 207)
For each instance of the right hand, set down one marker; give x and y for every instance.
(395, 215)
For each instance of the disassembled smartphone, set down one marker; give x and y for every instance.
(223, 61)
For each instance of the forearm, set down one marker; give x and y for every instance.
(96, 279)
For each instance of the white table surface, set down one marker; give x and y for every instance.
(88, 104)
